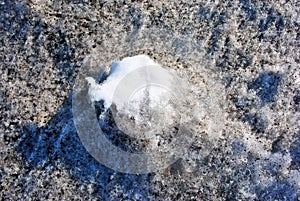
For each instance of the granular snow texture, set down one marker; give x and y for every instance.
(251, 46)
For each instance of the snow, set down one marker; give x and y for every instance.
(119, 70)
(143, 99)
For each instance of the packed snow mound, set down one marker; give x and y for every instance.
(118, 71)
(140, 94)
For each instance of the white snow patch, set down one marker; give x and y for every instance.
(118, 71)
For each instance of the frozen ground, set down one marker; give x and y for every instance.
(250, 47)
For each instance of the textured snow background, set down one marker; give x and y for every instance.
(253, 47)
